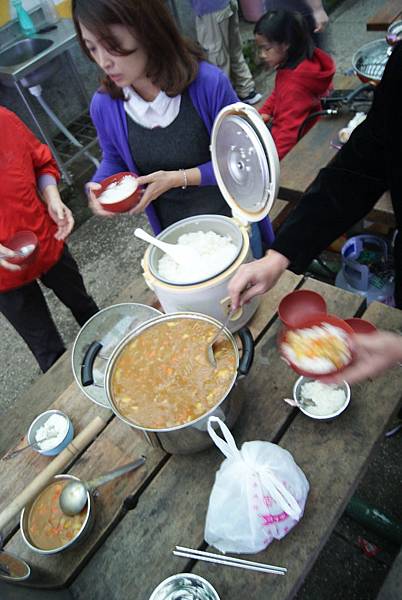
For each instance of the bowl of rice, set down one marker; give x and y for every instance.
(330, 400)
(50, 432)
(319, 346)
(119, 193)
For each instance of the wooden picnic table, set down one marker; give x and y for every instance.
(389, 12)
(315, 151)
(142, 516)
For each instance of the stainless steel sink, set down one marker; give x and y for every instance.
(22, 51)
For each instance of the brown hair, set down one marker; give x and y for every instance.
(172, 60)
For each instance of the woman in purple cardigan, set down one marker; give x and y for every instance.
(155, 110)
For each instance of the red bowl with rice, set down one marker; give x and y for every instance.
(320, 346)
(119, 193)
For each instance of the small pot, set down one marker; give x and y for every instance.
(189, 437)
(83, 533)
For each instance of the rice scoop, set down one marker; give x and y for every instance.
(216, 253)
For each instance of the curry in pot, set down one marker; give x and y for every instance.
(48, 526)
(163, 378)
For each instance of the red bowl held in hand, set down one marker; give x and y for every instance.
(119, 193)
(361, 325)
(26, 244)
(318, 320)
(296, 307)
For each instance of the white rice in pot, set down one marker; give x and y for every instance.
(327, 398)
(216, 252)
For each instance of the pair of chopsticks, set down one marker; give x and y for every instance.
(228, 561)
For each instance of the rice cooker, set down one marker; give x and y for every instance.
(246, 167)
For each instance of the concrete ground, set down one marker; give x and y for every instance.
(109, 256)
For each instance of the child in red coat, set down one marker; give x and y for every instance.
(304, 75)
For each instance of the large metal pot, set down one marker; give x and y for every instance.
(193, 436)
(83, 533)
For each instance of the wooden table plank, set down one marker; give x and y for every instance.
(333, 456)
(173, 507)
(387, 14)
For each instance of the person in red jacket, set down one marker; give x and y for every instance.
(26, 166)
(304, 75)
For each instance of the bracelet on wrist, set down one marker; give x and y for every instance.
(185, 180)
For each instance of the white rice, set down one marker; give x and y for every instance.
(216, 252)
(317, 365)
(119, 190)
(56, 425)
(328, 398)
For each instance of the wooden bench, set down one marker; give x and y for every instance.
(392, 587)
(140, 517)
(390, 11)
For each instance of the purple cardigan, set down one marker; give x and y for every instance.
(209, 92)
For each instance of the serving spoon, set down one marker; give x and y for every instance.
(183, 255)
(74, 496)
(31, 445)
(210, 347)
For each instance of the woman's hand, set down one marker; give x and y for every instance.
(4, 263)
(266, 118)
(256, 278)
(94, 203)
(374, 353)
(62, 216)
(320, 19)
(156, 184)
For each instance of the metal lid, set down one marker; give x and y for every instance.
(109, 326)
(245, 161)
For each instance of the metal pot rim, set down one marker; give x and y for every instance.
(27, 507)
(166, 317)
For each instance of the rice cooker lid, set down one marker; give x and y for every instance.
(245, 161)
(109, 326)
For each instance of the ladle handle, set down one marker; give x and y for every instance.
(102, 479)
(143, 235)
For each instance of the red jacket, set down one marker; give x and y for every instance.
(296, 95)
(22, 160)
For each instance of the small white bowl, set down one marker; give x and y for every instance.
(39, 421)
(297, 397)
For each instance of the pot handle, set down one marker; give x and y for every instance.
(247, 357)
(87, 367)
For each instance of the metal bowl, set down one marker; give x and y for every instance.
(183, 582)
(79, 538)
(297, 396)
(39, 421)
(370, 60)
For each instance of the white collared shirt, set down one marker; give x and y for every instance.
(161, 112)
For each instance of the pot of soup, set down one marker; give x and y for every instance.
(46, 529)
(159, 379)
(246, 166)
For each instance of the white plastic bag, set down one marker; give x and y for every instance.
(259, 494)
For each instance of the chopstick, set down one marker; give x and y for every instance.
(228, 561)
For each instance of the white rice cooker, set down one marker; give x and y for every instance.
(246, 166)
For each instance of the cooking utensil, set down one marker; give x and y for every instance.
(300, 403)
(370, 60)
(210, 347)
(12, 454)
(304, 403)
(183, 255)
(228, 561)
(185, 586)
(74, 496)
(40, 421)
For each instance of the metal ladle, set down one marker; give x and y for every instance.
(210, 347)
(74, 496)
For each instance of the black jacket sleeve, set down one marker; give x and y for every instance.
(346, 190)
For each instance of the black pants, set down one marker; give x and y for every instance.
(27, 311)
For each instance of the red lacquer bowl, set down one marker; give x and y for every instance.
(296, 307)
(123, 205)
(361, 325)
(318, 319)
(20, 241)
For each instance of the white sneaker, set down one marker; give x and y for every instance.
(252, 98)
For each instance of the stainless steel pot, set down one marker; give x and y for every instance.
(190, 437)
(83, 533)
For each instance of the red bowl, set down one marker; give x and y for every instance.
(20, 240)
(318, 319)
(361, 325)
(119, 206)
(296, 307)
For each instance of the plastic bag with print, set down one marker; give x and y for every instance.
(259, 494)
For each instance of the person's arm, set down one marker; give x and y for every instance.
(319, 15)
(267, 109)
(58, 211)
(373, 353)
